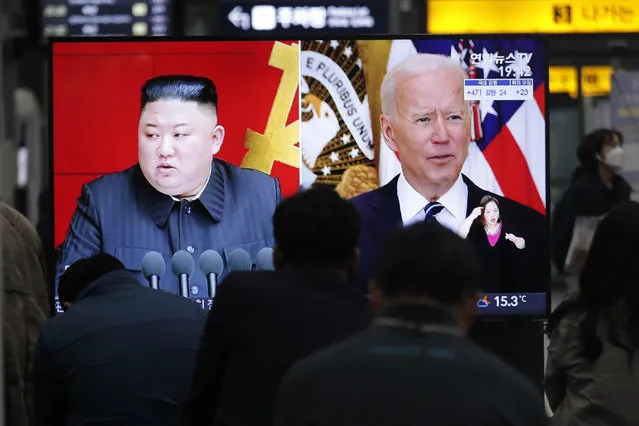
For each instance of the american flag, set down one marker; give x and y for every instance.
(509, 153)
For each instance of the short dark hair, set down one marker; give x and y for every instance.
(428, 260)
(83, 272)
(186, 88)
(316, 226)
(592, 145)
(619, 135)
(483, 202)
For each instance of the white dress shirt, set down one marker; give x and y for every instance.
(412, 203)
(199, 193)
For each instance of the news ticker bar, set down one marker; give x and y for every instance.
(487, 304)
(205, 303)
(512, 304)
(499, 89)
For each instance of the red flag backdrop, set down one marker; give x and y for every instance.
(96, 106)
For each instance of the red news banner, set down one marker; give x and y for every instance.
(96, 107)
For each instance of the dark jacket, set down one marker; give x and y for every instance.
(122, 355)
(586, 196)
(123, 215)
(502, 263)
(585, 393)
(26, 308)
(45, 230)
(261, 322)
(391, 375)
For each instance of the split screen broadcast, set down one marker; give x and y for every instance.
(287, 115)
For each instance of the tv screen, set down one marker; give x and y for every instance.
(308, 112)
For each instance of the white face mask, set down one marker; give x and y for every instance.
(614, 158)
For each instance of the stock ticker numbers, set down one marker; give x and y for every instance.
(498, 89)
(77, 18)
(306, 16)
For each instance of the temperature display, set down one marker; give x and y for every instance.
(509, 301)
(512, 304)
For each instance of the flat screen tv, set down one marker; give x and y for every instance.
(302, 113)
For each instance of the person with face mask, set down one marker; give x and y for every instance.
(596, 187)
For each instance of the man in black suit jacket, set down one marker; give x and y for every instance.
(121, 354)
(176, 197)
(414, 366)
(427, 122)
(261, 322)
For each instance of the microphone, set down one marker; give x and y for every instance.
(239, 260)
(211, 265)
(153, 267)
(182, 265)
(264, 260)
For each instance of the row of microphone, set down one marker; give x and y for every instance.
(210, 263)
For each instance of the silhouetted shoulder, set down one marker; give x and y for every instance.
(253, 183)
(377, 198)
(520, 209)
(114, 182)
(364, 199)
(518, 390)
(248, 176)
(515, 210)
(332, 358)
(507, 206)
(176, 303)
(253, 281)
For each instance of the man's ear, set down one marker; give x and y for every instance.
(217, 139)
(387, 131)
(277, 259)
(376, 299)
(468, 312)
(353, 262)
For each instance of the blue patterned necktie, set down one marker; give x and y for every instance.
(432, 210)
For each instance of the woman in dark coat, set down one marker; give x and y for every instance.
(596, 187)
(501, 249)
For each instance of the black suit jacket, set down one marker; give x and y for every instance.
(123, 355)
(261, 322)
(503, 263)
(123, 215)
(380, 213)
(390, 375)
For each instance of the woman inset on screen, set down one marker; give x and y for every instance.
(498, 244)
(489, 217)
